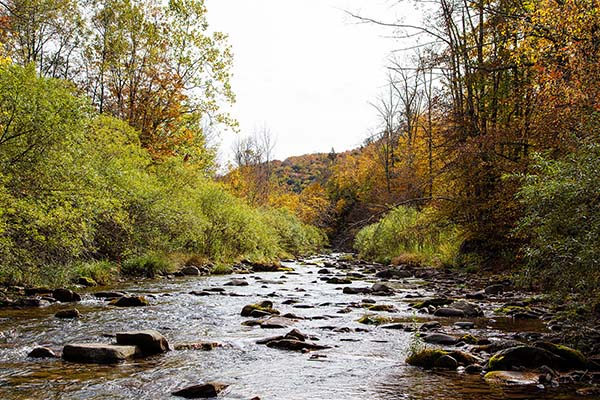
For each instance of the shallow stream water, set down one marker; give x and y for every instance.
(360, 365)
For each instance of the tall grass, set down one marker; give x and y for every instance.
(406, 235)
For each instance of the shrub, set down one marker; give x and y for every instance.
(562, 222)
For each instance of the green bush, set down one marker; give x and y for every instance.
(103, 272)
(561, 225)
(409, 235)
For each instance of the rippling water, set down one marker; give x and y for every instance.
(366, 365)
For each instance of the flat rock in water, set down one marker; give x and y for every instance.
(204, 346)
(109, 295)
(464, 325)
(356, 290)
(276, 323)
(440, 338)
(339, 281)
(295, 345)
(393, 326)
(459, 309)
(98, 353)
(149, 341)
(449, 312)
(237, 282)
(512, 378)
(30, 302)
(203, 391)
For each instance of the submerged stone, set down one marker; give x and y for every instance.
(69, 314)
(512, 378)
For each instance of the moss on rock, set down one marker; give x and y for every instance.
(425, 358)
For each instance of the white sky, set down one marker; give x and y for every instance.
(305, 69)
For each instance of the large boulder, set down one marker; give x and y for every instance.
(203, 391)
(98, 353)
(572, 359)
(130, 301)
(524, 357)
(149, 342)
(65, 295)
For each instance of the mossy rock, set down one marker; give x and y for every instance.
(425, 358)
(265, 306)
(572, 358)
(468, 338)
(512, 310)
(524, 357)
(374, 320)
(285, 269)
(87, 281)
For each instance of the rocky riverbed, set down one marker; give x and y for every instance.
(328, 329)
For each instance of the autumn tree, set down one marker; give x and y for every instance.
(251, 173)
(154, 65)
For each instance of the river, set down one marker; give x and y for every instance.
(360, 365)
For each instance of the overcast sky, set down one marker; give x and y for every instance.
(305, 69)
